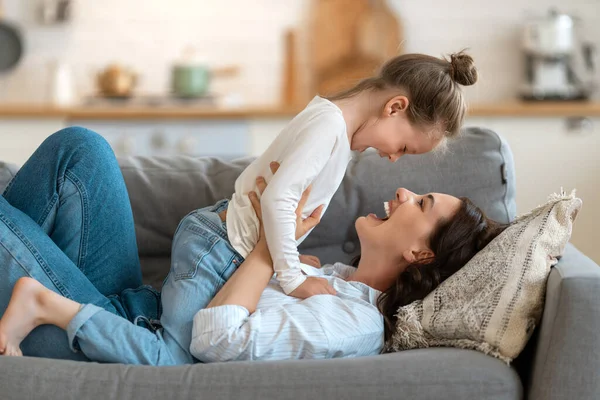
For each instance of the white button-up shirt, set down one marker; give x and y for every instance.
(284, 327)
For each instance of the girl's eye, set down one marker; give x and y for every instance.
(421, 203)
(404, 150)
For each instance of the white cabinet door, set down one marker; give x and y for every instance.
(20, 137)
(227, 138)
(549, 155)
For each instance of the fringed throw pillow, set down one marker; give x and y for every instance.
(495, 301)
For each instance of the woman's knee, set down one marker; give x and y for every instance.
(76, 138)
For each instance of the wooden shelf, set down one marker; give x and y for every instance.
(508, 109)
(537, 109)
(129, 113)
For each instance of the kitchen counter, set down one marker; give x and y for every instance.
(508, 109)
(139, 112)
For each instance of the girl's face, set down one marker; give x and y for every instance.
(412, 220)
(392, 134)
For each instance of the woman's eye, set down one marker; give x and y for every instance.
(421, 203)
(404, 149)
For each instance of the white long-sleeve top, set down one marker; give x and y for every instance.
(284, 327)
(312, 148)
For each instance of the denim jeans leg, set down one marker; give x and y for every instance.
(72, 187)
(104, 337)
(26, 250)
(202, 260)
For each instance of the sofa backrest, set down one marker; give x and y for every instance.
(478, 165)
(7, 171)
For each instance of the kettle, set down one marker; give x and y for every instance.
(552, 35)
(559, 64)
(116, 81)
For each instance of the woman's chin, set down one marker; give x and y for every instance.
(368, 221)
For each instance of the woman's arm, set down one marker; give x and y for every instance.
(246, 285)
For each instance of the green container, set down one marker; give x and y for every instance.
(190, 81)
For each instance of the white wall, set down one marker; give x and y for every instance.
(491, 29)
(150, 34)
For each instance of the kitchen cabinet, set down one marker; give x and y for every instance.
(20, 137)
(228, 139)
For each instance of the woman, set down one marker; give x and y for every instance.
(75, 236)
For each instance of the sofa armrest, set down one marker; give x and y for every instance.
(567, 353)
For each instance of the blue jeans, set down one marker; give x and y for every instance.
(65, 220)
(202, 260)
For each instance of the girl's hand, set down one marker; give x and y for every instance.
(313, 261)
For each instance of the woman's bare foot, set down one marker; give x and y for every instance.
(24, 313)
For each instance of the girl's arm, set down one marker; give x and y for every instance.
(302, 162)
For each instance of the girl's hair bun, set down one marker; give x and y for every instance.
(462, 69)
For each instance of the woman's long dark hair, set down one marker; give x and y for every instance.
(454, 242)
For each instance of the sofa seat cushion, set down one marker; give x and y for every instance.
(415, 374)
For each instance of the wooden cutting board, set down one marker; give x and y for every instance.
(350, 40)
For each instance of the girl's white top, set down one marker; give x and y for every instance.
(312, 149)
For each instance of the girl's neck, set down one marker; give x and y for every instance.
(357, 110)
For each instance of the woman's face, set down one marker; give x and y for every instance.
(412, 220)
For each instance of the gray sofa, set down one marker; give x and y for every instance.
(561, 361)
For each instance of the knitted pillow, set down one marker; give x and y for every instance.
(494, 302)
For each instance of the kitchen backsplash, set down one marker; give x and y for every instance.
(149, 35)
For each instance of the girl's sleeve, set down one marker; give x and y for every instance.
(311, 151)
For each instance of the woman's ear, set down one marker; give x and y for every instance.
(396, 105)
(418, 256)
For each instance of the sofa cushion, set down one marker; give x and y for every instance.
(7, 171)
(162, 190)
(478, 165)
(416, 375)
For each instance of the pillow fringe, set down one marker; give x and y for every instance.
(409, 332)
(552, 199)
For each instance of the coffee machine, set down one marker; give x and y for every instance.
(558, 64)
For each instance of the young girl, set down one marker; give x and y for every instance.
(409, 108)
